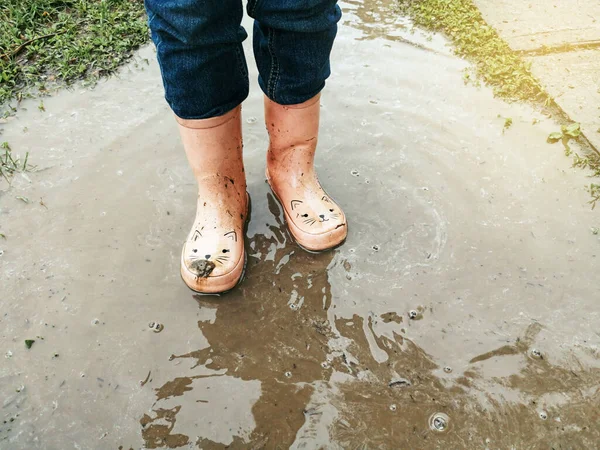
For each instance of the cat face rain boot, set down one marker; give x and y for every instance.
(213, 256)
(315, 221)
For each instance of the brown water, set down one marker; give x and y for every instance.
(468, 287)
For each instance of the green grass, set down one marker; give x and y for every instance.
(501, 68)
(10, 164)
(494, 61)
(45, 44)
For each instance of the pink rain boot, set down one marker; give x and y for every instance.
(213, 257)
(314, 219)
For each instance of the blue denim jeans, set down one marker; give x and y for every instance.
(199, 49)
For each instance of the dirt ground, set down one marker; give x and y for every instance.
(462, 312)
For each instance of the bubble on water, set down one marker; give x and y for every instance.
(543, 415)
(352, 250)
(439, 422)
(95, 321)
(354, 173)
(251, 120)
(393, 407)
(376, 247)
(288, 374)
(156, 326)
(536, 353)
(448, 369)
(413, 314)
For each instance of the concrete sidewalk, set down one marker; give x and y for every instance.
(561, 39)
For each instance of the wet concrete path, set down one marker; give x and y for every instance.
(461, 313)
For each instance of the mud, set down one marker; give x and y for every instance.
(462, 312)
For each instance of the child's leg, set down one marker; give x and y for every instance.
(205, 77)
(292, 44)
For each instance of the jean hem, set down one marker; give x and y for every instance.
(289, 100)
(214, 112)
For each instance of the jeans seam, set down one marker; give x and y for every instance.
(252, 4)
(241, 66)
(150, 19)
(274, 73)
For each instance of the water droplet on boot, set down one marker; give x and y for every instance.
(439, 422)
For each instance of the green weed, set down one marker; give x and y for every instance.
(9, 164)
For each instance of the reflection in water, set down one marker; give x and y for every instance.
(282, 369)
(380, 20)
(378, 410)
(272, 329)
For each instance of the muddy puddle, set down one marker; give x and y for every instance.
(461, 313)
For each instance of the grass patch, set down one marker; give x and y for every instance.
(501, 68)
(9, 164)
(48, 43)
(494, 61)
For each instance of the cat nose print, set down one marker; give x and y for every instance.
(207, 256)
(322, 216)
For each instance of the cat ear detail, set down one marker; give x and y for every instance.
(295, 204)
(231, 235)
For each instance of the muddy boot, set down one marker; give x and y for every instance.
(213, 256)
(314, 219)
